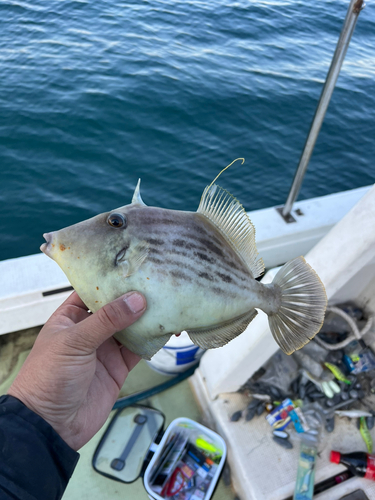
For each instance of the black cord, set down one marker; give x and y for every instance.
(138, 396)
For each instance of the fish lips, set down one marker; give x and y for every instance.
(47, 247)
(53, 247)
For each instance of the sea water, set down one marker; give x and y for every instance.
(94, 95)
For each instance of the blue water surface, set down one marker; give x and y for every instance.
(94, 95)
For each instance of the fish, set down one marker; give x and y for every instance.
(262, 397)
(197, 271)
(353, 413)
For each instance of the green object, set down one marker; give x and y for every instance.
(206, 446)
(365, 433)
(298, 403)
(132, 399)
(337, 373)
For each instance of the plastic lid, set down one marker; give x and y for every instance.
(123, 448)
(335, 457)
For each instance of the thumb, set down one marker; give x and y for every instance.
(90, 333)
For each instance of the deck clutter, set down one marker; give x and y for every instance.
(302, 396)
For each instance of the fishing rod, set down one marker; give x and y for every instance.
(350, 22)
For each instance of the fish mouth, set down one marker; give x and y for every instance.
(120, 257)
(47, 247)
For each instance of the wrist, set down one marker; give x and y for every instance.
(28, 400)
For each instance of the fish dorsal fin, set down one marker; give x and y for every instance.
(229, 216)
(137, 195)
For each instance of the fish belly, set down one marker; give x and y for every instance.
(192, 279)
(178, 301)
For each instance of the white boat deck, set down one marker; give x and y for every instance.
(262, 470)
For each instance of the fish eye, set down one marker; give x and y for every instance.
(116, 220)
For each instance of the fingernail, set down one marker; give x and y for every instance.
(135, 302)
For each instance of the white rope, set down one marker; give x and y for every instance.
(356, 335)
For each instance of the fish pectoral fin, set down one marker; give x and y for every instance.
(135, 256)
(219, 335)
(145, 349)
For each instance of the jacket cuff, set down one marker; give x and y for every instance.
(34, 459)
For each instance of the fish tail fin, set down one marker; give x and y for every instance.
(302, 303)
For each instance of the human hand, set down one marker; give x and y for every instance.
(74, 372)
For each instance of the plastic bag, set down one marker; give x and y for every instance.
(281, 369)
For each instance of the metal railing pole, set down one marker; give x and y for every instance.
(354, 9)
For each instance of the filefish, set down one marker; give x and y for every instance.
(197, 271)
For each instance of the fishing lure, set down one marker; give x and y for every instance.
(337, 373)
(365, 433)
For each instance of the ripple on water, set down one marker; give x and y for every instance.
(94, 95)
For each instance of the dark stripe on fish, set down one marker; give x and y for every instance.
(206, 276)
(156, 251)
(207, 244)
(211, 246)
(201, 258)
(207, 280)
(180, 275)
(155, 260)
(210, 249)
(204, 257)
(184, 244)
(225, 277)
(190, 240)
(155, 241)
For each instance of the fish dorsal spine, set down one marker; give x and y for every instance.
(229, 216)
(137, 195)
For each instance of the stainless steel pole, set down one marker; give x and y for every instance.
(354, 9)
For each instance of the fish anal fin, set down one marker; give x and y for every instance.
(219, 335)
(145, 349)
(303, 302)
(230, 218)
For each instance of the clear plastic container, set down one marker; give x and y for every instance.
(304, 489)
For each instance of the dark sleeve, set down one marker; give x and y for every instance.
(35, 462)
